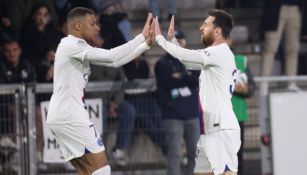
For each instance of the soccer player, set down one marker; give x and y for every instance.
(220, 132)
(68, 117)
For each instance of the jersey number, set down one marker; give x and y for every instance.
(232, 86)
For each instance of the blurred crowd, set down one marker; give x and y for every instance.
(30, 31)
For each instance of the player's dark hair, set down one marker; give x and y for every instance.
(223, 20)
(79, 12)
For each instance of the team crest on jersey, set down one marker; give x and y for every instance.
(207, 53)
(81, 43)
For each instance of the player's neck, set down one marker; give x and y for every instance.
(218, 41)
(75, 34)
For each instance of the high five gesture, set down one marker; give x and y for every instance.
(171, 29)
(147, 30)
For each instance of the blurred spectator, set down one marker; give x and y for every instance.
(6, 27)
(45, 67)
(115, 27)
(245, 88)
(147, 115)
(63, 29)
(282, 17)
(38, 34)
(112, 7)
(177, 95)
(171, 8)
(62, 7)
(15, 69)
(137, 68)
(239, 3)
(17, 12)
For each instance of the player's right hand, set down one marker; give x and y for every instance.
(171, 29)
(146, 29)
(151, 39)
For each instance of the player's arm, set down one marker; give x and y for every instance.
(190, 66)
(115, 54)
(137, 52)
(111, 56)
(186, 56)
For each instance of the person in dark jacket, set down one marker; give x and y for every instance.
(38, 34)
(177, 90)
(13, 68)
(283, 18)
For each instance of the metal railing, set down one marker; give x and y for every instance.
(27, 134)
(13, 126)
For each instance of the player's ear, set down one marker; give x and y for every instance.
(78, 26)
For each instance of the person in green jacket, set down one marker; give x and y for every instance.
(245, 87)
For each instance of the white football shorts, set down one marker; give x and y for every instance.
(77, 139)
(217, 152)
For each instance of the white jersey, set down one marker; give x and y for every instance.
(217, 81)
(72, 70)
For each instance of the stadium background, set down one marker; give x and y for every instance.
(144, 157)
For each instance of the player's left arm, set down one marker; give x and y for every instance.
(122, 61)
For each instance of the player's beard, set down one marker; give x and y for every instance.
(208, 39)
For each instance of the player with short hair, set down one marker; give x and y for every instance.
(68, 117)
(220, 132)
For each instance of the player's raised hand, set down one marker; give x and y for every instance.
(157, 27)
(151, 39)
(146, 28)
(171, 29)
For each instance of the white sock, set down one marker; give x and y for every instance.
(106, 170)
